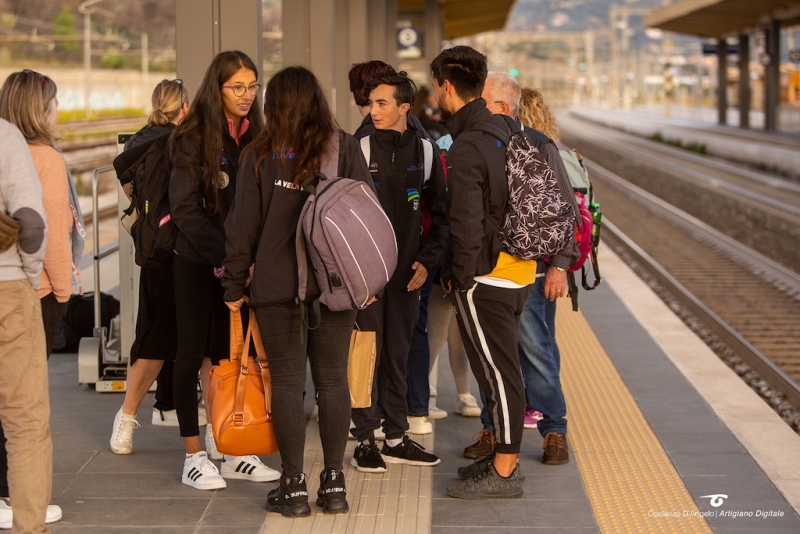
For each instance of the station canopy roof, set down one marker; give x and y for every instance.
(721, 18)
(467, 17)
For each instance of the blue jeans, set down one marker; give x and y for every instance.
(419, 356)
(541, 361)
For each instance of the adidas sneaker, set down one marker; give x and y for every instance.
(200, 473)
(247, 468)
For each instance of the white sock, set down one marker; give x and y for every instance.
(394, 442)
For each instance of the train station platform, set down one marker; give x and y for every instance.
(777, 152)
(663, 436)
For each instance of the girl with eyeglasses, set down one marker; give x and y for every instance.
(204, 152)
(153, 351)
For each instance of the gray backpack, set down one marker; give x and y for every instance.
(347, 236)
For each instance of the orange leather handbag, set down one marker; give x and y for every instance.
(240, 396)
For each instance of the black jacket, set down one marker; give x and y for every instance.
(136, 147)
(262, 227)
(201, 238)
(477, 183)
(396, 167)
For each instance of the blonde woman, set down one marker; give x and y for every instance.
(29, 100)
(535, 113)
(156, 329)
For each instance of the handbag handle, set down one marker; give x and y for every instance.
(237, 336)
(244, 370)
(263, 363)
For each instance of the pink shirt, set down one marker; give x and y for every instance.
(242, 130)
(56, 276)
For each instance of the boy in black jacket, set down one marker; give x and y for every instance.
(487, 285)
(406, 174)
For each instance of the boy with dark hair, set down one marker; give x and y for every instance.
(359, 74)
(488, 286)
(406, 174)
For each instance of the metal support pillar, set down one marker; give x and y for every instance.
(328, 36)
(434, 30)
(381, 30)
(722, 82)
(744, 81)
(204, 28)
(772, 80)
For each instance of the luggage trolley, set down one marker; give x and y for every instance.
(103, 358)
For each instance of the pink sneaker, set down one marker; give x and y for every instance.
(532, 417)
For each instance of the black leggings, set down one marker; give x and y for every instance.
(327, 348)
(203, 331)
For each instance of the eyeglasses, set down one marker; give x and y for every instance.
(239, 89)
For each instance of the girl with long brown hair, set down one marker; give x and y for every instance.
(261, 230)
(204, 150)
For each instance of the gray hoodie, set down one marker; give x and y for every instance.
(21, 199)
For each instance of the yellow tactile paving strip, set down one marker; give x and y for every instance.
(631, 483)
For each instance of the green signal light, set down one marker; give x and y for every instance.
(513, 72)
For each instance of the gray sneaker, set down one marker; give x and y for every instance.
(487, 484)
(469, 471)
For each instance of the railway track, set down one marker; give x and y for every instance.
(748, 301)
(87, 145)
(760, 210)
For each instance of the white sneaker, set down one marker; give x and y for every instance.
(419, 425)
(170, 417)
(433, 392)
(211, 445)
(7, 516)
(200, 473)
(436, 413)
(468, 406)
(247, 468)
(122, 433)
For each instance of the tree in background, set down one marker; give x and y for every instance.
(64, 24)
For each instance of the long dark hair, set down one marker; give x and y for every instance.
(297, 117)
(205, 123)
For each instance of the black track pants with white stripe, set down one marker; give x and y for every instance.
(488, 318)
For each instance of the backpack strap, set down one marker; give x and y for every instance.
(492, 130)
(366, 149)
(329, 166)
(329, 169)
(427, 153)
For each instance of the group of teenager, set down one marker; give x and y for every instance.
(236, 169)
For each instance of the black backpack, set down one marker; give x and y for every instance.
(153, 232)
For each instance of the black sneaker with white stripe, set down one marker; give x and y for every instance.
(408, 452)
(200, 473)
(247, 468)
(367, 457)
(290, 498)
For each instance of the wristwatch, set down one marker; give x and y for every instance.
(560, 269)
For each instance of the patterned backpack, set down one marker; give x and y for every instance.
(537, 222)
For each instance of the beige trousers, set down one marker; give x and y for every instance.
(25, 406)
